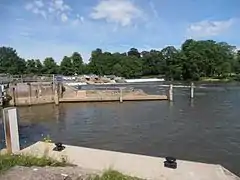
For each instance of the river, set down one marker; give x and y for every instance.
(206, 129)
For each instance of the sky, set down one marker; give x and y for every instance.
(55, 28)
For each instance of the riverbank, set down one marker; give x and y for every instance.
(140, 166)
(215, 80)
(61, 173)
(26, 167)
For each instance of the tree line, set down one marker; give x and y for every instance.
(194, 60)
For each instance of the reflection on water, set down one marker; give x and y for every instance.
(205, 129)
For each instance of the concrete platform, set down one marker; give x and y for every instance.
(114, 99)
(145, 167)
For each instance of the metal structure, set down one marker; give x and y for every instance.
(5, 79)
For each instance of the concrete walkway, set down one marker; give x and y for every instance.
(145, 167)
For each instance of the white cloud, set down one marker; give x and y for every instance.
(29, 6)
(64, 17)
(79, 19)
(51, 10)
(151, 4)
(19, 19)
(82, 19)
(56, 8)
(118, 11)
(208, 28)
(60, 5)
(25, 34)
(35, 11)
(39, 3)
(39, 11)
(36, 8)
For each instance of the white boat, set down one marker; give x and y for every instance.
(76, 83)
(144, 80)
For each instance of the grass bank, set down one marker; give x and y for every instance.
(113, 175)
(8, 161)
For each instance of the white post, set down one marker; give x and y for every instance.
(192, 90)
(10, 121)
(170, 92)
(121, 96)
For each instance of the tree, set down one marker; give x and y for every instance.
(172, 65)
(153, 63)
(31, 67)
(94, 65)
(50, 66)
(134, 52)
(207, 59)
(131, 67)
(10, 62)
(195, 60)
(39, 66)
(66, 66)
(77, 63)
(117, 69)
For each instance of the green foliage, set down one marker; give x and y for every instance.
(66, 67)
(77, 63)
(10, 62)
(47, 139)
(195, 60)
(72, 65)
(114, 175)
(33, 67)
(237, 62)
(50, 66)
(8, 161)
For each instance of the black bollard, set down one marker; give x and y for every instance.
(170, 163)
(59, 147)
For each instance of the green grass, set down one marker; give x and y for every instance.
(8, 161)
(213, 79)
(113, 175)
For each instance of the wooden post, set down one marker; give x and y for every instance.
(170, 92)
(21, 78)
(60, 89)
(29, 94)
(192, 90)
(56, 94)
(121, 96)
(39, 89)
(14, 96)
(10, 121)
(1, 95)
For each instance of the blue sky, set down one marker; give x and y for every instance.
(43, 28)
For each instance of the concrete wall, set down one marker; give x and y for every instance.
(30, 94)
(26, 94)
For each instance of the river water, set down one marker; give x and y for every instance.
(206, 129)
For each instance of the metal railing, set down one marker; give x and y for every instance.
(4, 79)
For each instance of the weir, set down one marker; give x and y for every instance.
(28, 94)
